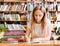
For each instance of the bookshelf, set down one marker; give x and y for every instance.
(13, 16)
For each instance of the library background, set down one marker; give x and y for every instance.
(15, 14)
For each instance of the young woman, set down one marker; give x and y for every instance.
(40, 26)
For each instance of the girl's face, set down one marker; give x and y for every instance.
(38, 15)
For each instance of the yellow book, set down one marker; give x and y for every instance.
(23, 27)
(13, 16)
(13, 8)
(17, 17)
(16, 7)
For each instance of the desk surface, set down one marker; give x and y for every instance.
(42, 43)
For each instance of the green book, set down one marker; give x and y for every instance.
(12, 36)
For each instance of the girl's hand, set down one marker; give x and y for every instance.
(28, 39)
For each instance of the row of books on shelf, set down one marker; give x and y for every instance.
(15, 27)
(14, 33)
(23, 6)
(54, 16)
(12, 27)
(12, 17)
(15, 7)
(50, 6)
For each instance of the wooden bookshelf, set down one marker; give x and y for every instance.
(10, 5)
(13, 11)
(14, 1)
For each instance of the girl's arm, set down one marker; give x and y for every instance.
(28, 35)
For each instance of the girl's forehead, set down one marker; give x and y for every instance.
(38, 12)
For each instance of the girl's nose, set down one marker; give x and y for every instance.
(37, 17)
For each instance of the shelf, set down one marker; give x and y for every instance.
(13, 11)
(30, 1)
(15, 0)
(58, 21)
(49, 1)
(52, 10)
(58, 11)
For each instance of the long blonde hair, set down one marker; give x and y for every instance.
(43, 21)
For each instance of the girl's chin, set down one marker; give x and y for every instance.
(38, 22)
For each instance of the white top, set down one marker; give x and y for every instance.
(36, 29)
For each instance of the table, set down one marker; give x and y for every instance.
(43, 43)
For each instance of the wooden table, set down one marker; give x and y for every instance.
(43, 43)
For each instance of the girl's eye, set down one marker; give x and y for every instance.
(39, 15)
(35, 15)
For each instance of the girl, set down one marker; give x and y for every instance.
(40, 26)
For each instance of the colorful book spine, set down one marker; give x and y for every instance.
(14, 33)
